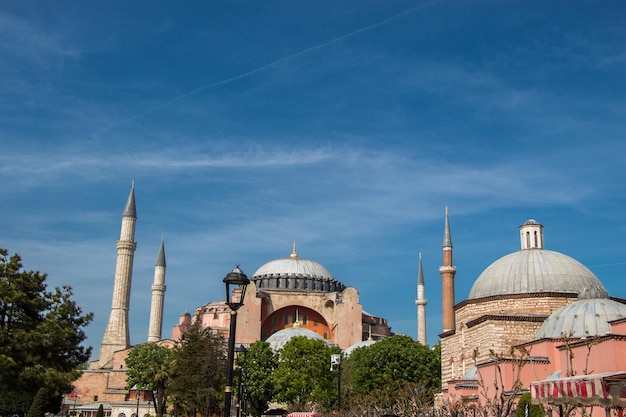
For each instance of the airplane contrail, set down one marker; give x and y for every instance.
(270, 65)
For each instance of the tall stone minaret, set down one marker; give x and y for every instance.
(117, 336)
(420, 302)
(158, 294)
(447, 271)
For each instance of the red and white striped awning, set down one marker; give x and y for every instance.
(607, 390)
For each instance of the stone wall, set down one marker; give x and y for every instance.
(494, 325)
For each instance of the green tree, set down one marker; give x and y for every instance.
(41, 333)
(393, 364)
(37, 407)
(257, 366)
(100, 412)
(303, 378)
(150, 367)
(200, 377)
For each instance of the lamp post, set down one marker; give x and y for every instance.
(241, 349)
(137, 393)
(335, 360)
(236, 283)
(75, 397)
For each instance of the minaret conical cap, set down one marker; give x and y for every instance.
(161, 256)
(447, 239)
(129, 210)
(420, 272)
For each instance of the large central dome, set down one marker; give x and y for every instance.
(533, 270)
(296, 274)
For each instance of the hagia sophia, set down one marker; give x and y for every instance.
(536, 300)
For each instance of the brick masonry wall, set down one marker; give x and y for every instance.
(495, 335)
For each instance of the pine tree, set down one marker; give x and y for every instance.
(41, 332)
(37, 407)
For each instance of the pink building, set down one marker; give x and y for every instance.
(537, 321)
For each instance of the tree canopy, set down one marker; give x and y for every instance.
(257, 365)
(397, 359)
(303, 377)
(41, 332)
(199, 377)
(395, 375)
(149, 367)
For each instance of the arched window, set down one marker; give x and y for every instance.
(536, 240)
(528, 239)
(121, 415)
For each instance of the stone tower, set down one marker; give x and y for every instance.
(158, 294)
(447, 271)
(117, 336)
(421, 305)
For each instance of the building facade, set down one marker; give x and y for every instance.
(526, 317)
(292, 290)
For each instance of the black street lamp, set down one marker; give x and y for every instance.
(236, 283)
(241, 349)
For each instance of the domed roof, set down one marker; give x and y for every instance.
(295, 273)
(278, 339)
(471, 374)
(586, 317)
(361, 344)
(531, 271)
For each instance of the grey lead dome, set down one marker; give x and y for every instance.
(587, 317)
(532, 271)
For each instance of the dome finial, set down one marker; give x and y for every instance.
(296, 323)
(294, 254)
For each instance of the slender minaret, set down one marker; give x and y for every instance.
(117, 336)
(158, 294)
(447, 271)
(420, 302)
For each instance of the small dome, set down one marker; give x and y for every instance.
(471, 374)
(278, 339)
(530, 222)
(593, 291)
(361, 344)
(584, 318)
(533, 271)
(295, 274)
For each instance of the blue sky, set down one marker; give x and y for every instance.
(345, 126)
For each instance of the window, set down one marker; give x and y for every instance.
(95, 398)
(314, 322)
(122, 414)
(286, 319)
(325, 335)
(304, 319)
(275, 320)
